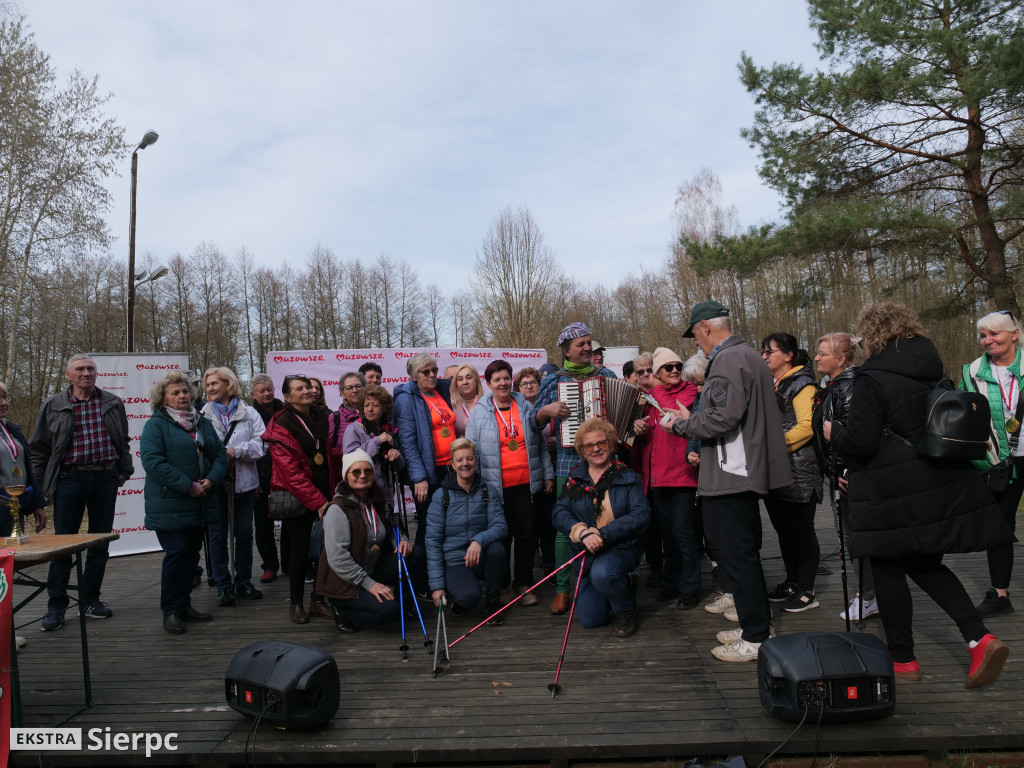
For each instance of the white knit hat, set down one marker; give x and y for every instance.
(664, 356)
(355, 457)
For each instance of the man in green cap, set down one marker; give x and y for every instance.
(742, 456)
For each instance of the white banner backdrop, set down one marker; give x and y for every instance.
(614, 357)
(329, 365)
(131, 377)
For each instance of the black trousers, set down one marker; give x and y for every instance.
(737, 519)
(897, 607)
(1000, 559)
(299, 530)
(263, 532)
(793, 522)
(518, 505)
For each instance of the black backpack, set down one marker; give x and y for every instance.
(956, 425)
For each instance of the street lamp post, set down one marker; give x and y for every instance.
(149, 138)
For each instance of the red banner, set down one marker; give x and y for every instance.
(6, 638)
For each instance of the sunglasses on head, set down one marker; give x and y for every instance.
(293, 376)
(670, 367)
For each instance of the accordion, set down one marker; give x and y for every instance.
(597, 398)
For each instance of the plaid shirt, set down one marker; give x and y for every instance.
(90, 444)
(565, 458)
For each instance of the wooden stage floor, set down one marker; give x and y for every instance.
(658, 697)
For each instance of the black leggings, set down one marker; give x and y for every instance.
(299, 530)
(897, 608)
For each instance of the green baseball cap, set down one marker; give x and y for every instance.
(705, 311)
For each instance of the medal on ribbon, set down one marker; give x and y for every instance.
(1012, 426)
(318, 458)
(16, 472)
(513, 445)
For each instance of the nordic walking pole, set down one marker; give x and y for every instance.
(405, 577)
(518, 598)
(441, 625)
(555, 687)
(404, 648)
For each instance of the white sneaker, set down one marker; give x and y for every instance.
(730, 613)
(722, 602)
(740, 650)
(727, 636)
(20, 641)
(870, 608)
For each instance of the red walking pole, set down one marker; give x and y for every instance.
(555, 687)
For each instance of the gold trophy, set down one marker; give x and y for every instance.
(14, 507)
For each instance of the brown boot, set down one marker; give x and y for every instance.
(320, 608)
(298, 614)
(560, 604)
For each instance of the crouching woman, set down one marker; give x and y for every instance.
(605, 512)
(358, 569)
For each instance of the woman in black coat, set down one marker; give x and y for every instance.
(907, 511)
(833, 361)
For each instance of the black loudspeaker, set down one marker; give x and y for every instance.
(839, 677)
(285, 684)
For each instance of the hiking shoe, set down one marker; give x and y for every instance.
(994, 604)
(860, 609)
(498, 618)
(720, 603)
(731, 614)
(740, 650)
(987, 659)
(528, 598)
(625, 624)
(727, 636)
(225, 597)
(782, 593)
(801, 601)
(98, 610)
(909, 671)
(248, 591)
(53, 620)
(687, 602)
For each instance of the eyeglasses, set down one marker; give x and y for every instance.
(527, 383)
(671, 367)
(599, 445)
(361, 472)
(643, 371)
(769, 352)
(352, 388)
(427, 371)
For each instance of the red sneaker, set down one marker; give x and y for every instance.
(987, 659)
(268, 575)
(907, 670)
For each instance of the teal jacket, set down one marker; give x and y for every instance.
(172, 464)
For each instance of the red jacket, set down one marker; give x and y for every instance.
(663, 461)
(291, 469)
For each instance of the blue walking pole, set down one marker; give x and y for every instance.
(404, 648)
(406, 578)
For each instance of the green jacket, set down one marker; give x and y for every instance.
(978, 376)
(172, 464)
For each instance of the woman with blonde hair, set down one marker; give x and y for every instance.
(997, 375)
(908, 511)
(466, 393)
(240, 428)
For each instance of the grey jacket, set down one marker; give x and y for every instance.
(482, 429)
(55, 428)
(742, 444)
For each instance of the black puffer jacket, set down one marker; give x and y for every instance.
(901, 503)
(832, 404)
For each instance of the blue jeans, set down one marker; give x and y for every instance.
(181, 556)
(604, 582)
(78, 490)
(365, 610)
(244, 503)
(676, 509)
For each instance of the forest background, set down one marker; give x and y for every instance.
(899, 164)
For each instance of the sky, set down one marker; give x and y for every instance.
(405, 127)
